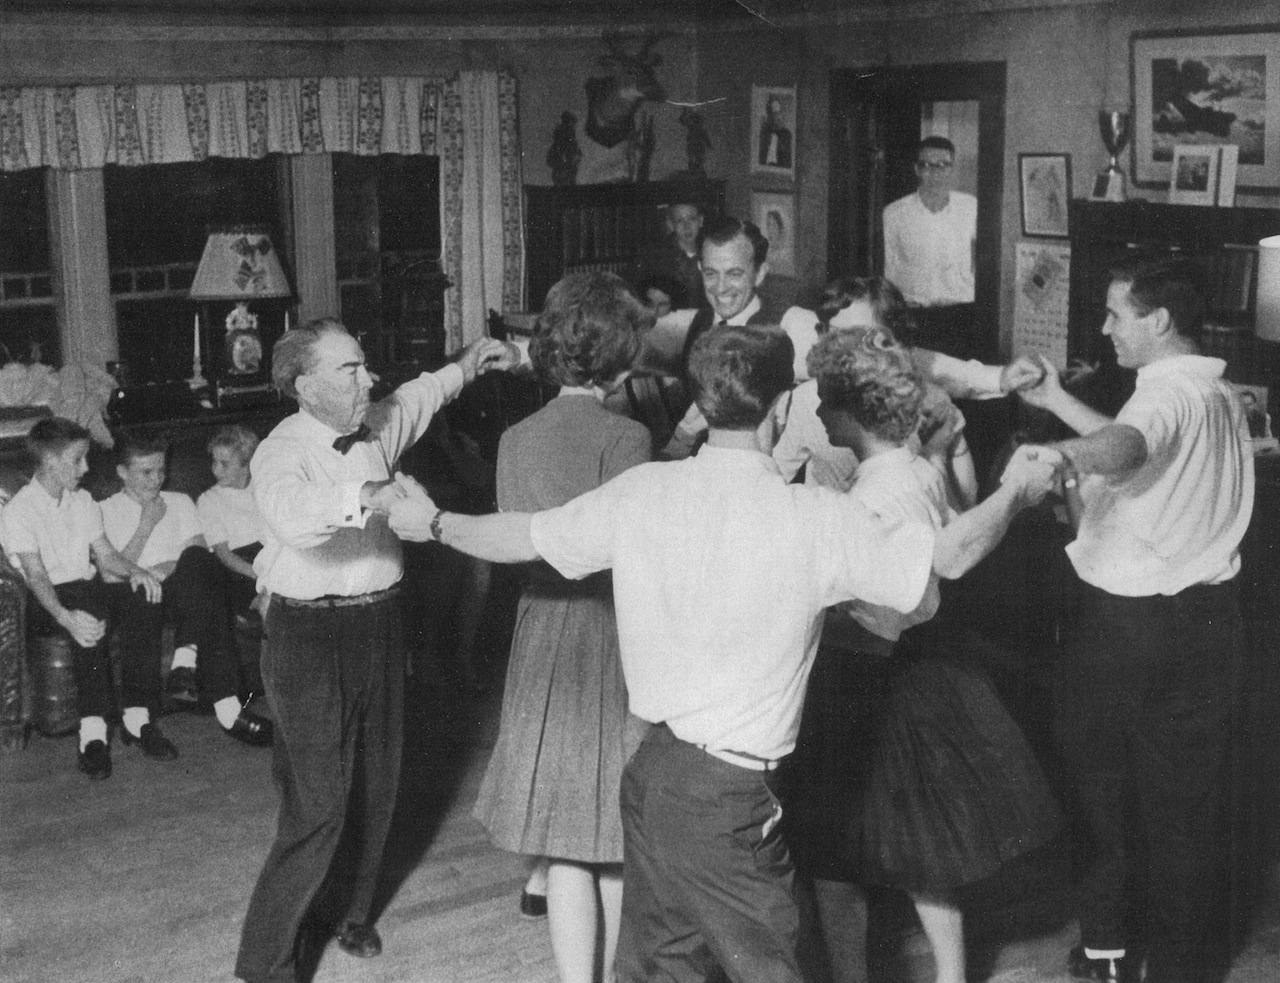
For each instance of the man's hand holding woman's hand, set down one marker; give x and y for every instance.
(411, 512)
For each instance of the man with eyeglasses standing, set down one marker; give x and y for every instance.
(929, 235)
(929, 240)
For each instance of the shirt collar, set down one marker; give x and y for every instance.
(1201, 365)
(736, 459)
(880, 462)
(747, 313)
(315, 429)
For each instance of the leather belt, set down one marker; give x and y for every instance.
(740, 758)
(337, 600)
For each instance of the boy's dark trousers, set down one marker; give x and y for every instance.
(194, 601)
(95, 684)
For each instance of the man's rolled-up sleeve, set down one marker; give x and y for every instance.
(880, 559)
(579, 538)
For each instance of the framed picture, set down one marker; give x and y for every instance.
(775, 215)
(1212, 89)
(1045, 181)
(773, 129)
(1193, 175)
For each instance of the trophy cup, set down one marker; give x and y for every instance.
(1114, 126)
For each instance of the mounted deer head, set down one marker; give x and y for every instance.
(614, 99)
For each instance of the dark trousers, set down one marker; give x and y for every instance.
(707, 877)
(95, 682)
(335, 684)
(1144, 698)
(193, 599)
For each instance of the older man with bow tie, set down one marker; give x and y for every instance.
(333, 661)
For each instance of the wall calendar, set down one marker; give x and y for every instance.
(1040, 301)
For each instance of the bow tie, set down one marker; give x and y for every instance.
(344, 443)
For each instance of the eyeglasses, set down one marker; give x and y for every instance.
(934, 165)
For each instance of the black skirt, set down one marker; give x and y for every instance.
(909, 773)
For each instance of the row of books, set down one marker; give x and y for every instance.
(598, 232)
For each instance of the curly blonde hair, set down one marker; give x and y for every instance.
(879, 388)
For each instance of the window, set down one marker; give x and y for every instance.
(157, 220)
(387, 243)
(28, 308)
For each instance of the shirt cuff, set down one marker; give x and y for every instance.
(986, 380)
(351, 513)
(451, 379)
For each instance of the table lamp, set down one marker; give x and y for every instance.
(239, 264)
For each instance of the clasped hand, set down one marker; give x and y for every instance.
(1034, 470)
(407, 506)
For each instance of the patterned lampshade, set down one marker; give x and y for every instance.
(239, 264)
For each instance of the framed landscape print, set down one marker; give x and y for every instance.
(1214, 89)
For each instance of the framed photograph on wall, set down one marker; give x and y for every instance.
(1045, 183)
(1213, 89)
(1193, 175)
(773, 130)
(775, 214)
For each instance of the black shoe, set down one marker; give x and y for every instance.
(154, 744)
(251, 729)
(181, 685)
(359, 940)
(1126, 969)
(95, 760)
(533, 905)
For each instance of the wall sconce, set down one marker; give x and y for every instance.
(239, 264)
(1267, 313)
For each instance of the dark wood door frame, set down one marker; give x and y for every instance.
(872, 132)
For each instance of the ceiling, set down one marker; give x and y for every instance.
(356, 13)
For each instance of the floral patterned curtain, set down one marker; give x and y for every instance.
(469, 121)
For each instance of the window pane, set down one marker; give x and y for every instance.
(160, 213)
(24, 222)
(28, 309)
(387, 232)
(158, 217)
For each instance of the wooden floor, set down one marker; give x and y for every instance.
(144, 878)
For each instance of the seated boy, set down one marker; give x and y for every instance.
(53, 531)
(233, 526)
(161, 532)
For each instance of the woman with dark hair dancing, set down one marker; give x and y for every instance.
(551, 788)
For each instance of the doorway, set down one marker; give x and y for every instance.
(878, 116)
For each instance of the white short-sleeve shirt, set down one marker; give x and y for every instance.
(721, 572)
(1178, 520)
(231, 516)
(121, 516)
(59, 530)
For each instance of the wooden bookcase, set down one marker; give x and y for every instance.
(1221, 242)
(600, 227)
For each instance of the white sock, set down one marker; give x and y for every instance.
(226, 710)
(184, 657)
(92, 729)
(134, 719)
(1111, 954)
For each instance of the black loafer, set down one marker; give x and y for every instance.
(181, 685)
(533, 905)
(249, 728)
(154, 744)
(359, 940)
(95, 761)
